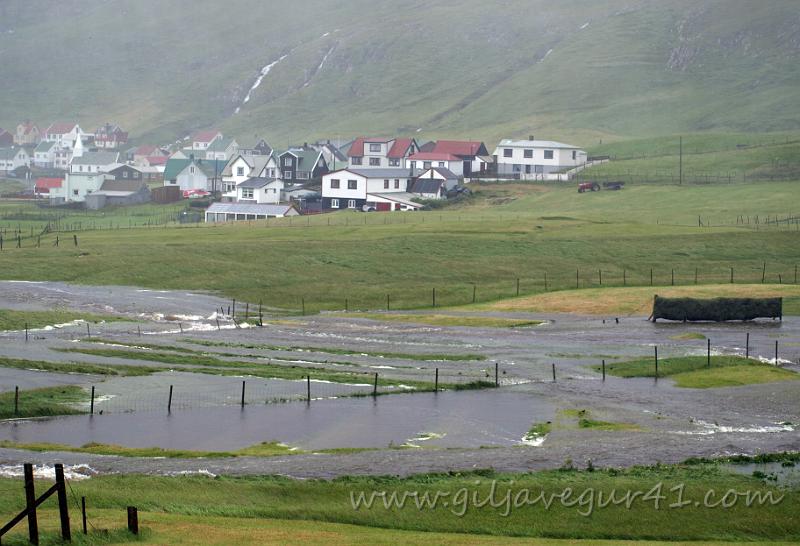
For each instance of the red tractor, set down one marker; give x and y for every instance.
(588, 186)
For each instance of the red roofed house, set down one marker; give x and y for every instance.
(381, 152)
(110, 137)
(201, 140)
(64, 134)
(27, 134)
(141, 155)
(44, 185)
(473, 154)
(428, 160)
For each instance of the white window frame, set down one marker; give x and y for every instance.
(351, 204)
(334, 203)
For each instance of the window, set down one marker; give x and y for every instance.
(287, 161)
(247, 193)
(441, 163)
(80, 168)
(548, 154)
(395, 163)
(191, 170)
(528, 154)
(385, 184)
(74, 192)
(527, 169)
(334, 184)
(397, 183)
(374, 161)
(124, 174)
(356, 160)
(287, 175)
(136, 174)
(574, 155)
(351, 204)
(334, 203)
(374, 147)
(352, 184)
(426, 164)
(508, 152)
(239, 171)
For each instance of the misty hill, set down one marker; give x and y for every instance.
(470, 68)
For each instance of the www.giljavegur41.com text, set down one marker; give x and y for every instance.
(505, 498)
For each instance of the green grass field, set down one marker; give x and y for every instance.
(41, 402)
(223, 505)
(11, 319)
(694, 372)
(508, 232)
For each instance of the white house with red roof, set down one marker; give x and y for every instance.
(428, 160)
(27, 134)
(473, 155)
(381, 153)
(201, 140)
(64, 134)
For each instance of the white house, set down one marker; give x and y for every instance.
(13, 158)
(222, 149)
(230, 212)
(380, 153)
(536, 159)
(94, 162)
(353, 188)
(241, 167)
(201, 140)
(434, 183)
(64, 134)
(428, 160)
(78, 185)
(44, 155)
(261, 191)
(194, 174)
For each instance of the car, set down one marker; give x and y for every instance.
(195, 194)
(588, 186)
(368, 208)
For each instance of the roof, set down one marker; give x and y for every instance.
(60, 128)
(111, 130)
(397, 172)
(427, 185)
(257, 182)
(210, 167)
(220, 145)
(96, 158)
(250, 208)
(9, 153)
(145, 149)
(433, 156)
(28, 127)
(205, 136)
(357, 147)
(44, 146)
(403, 197)
(400, 147)
(48, 183)
(447, 174)
(130, 186)
(536, 144)
(308, 155)
(154, 160)
(458, 147)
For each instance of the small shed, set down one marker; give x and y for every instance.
(166, 194)
(118, 192)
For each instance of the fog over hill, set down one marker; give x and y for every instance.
(325, 68)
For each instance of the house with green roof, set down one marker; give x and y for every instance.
(44, 155)
(222, 149)
(194, 174)
(13, 158)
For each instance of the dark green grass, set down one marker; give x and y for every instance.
(77, 367)
(44, 402)
(330, 501)
(11, 319)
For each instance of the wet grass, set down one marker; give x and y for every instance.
(264, 449)
(338, 351)
(312, 503)
(694, 372)
(473, 321)
(76, 367)
(688, 336)
(583, 419)
(44, 402)
(11, 319)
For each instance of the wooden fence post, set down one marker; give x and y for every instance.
(656, 359)
(83, 514)
(63, 508)
(375, 386)
(26, 331)
(30, 504)
(436, 381)
(747, 346)
(133, 520)
(243, 387)
(517, 286)
(731, 275)
(651, 276)
(91, 404)
(308, 389)
(604, 370)
(496, 374)
(169, 400)
(16, 400)
(708, 353)
(554, 371)
(303, 304)
(475, 290)
(433, 295)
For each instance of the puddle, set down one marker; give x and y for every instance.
(773, 473)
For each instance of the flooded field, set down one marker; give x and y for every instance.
(190, 342)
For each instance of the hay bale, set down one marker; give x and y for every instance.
(716, 309)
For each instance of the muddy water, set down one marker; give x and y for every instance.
(446, 419)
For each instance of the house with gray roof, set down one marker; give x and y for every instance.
(301, 164)
(194, 174)
(222, 149)
(261, 191)
(94, 162)
(535, 159)
(118, 193)
(13, 158)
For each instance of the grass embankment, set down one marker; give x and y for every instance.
(205, 363)
(310, 504)
(11, 319)
(582, 419)
(448, 320)
(519, 231)
(264, 449)
(639, 300)
(44, 402)
(77, 367)
(694, 372)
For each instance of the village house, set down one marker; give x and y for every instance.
(261, 148)
(241, 167)
(43, 186)
(44, 155)
(143, 154)
(222, 149)
(6, 139)
(435, 183)
(428, 160)
(93, 162)
(64, 134)
(380, 153)
(110, 137)
(201, 140)
(27, 134)
(12, 159)
(261, 191)
(380, 189)
(194, 174)
(231, 212)
(301, 164)
(123, 172)
(474, 155)
(535, 159)
(119, 193)
(78, 185)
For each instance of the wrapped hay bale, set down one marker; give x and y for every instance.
(716, 309)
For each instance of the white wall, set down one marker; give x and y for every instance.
(376, 185)
(343, 192)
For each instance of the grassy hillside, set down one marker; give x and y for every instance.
(507, 231)
(570, 70)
